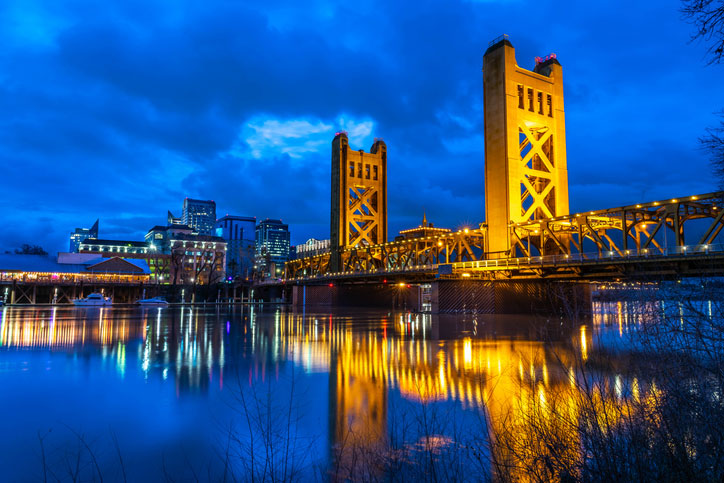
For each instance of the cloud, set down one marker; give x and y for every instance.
(119, 110)
(297, 137)
(294, 138)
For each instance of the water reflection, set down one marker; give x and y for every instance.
(502, 365)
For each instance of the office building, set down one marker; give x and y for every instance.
(272, 247)
(80, 234)
(200, 215)
(159, 237)
(180, 256)
(239, 232)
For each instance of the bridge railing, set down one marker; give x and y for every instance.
(593, 257)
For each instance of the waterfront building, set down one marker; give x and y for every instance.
(425, 229)
(200, 215)
(157, 261)
(68, 269)
(80, 234)
(311, 248)
(272, 247)
(239, 232)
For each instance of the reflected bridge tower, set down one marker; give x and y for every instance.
(359, 197)
(526, 176)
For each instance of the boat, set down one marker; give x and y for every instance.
(157, 301)
(93, 300)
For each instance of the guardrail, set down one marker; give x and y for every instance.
(593, 257)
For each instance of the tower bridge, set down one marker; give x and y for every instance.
(529, 234)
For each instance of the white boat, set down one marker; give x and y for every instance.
(158, 301)
(93, 300)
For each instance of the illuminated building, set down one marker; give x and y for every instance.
(311, 247)
(178, 255)
(272, 247)
(359, 196)
(80, 234)
(425, 229)
(172, 220)
(157, 261)
(22, 272)
(240, 235)
(113, 246)
(159, 237)
(526, 176)
(197, 259)
(200, 215)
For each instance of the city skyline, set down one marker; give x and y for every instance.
(209, 115)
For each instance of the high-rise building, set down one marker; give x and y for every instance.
(200, 215)
(272, 247)
(81, 234)
(240, 235)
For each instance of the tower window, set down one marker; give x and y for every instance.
(359, 170)
(530, 100)
(540, 103)
(351, 168)
(521, 97)
(367, 171)
(550, 105)
(374, 172)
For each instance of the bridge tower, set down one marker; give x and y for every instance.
(526, 177)
(359, 197)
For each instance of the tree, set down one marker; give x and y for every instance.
(26, 249)
(713, 142)
(708, 18)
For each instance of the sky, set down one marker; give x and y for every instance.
(120, 110)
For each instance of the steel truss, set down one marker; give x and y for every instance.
(402, 255)
(648, 228)
(656, 229)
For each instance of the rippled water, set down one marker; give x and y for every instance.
(204, 392)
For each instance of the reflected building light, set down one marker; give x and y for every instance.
(572, 376)
(618, 386)
(635, 389)
(467, 352)
(541, 395)
(121, 359)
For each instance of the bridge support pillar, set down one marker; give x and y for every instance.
(388, 296)
(503, 297)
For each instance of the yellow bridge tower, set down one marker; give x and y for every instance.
(359, 197)
(525, 143)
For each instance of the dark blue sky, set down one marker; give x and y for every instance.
(118, 110)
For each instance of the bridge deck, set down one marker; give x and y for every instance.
(688, 260)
